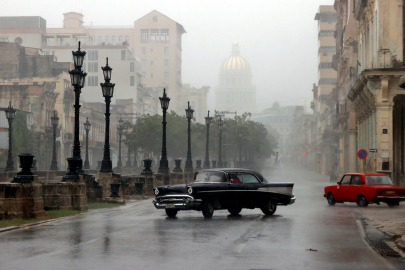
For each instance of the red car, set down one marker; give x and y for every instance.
(365, 188)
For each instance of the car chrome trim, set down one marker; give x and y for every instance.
(292, 200)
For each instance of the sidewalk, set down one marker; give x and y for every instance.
(391, 222)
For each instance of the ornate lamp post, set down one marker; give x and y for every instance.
(129, 163)
(54, 121)
(10, 114)
(164, 164)
(87, 127)
(220, 126)
(208, 123)
(77, 77)
(120, 128)
(189, 162)
(108, 91)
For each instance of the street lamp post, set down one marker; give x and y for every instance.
(208, 123)
(240, 150)
(189, 162)
(10, 114)
(108, 92)
(220, 126)
(87, 127)
(55, 121)
(77, 77)
(164, 164)
(224, 129)
(119, 131)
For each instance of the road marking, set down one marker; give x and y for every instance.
(240, 247)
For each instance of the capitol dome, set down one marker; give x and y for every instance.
(235, 62)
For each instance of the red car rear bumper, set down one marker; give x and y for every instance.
(388, 199)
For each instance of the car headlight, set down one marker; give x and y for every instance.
(156, 191)
(190, 190)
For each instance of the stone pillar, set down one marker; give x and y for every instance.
(384, 141)
(105, 179)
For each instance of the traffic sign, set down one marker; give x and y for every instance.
(362, 154)
(373, 150)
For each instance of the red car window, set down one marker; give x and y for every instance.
(356, 180)
(346, 180)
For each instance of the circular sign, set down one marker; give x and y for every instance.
(362, 154)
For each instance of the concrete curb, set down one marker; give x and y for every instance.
(10, 228)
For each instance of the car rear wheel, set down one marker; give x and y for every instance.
(208, 209)
(361, 201)
(391, 204)
(234, 210)
(270, 208)
(171, 212)
(331, 199)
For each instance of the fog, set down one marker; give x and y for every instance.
(278, 38)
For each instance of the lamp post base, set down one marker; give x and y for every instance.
(106, 166)
(164, 166)
(73, 167)
(86, 165)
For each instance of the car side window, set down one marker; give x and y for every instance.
(235, 178)
(249, 179)
(346, 180)
(356, 180)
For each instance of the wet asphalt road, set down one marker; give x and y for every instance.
(138, 236)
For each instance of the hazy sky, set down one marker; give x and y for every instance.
(278, 38)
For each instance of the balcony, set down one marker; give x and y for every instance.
(342, 111)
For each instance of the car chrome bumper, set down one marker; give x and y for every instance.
(180, 202)
(292, 200)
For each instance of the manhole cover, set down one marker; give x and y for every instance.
(383, 249)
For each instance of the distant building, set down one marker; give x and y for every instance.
(39, 85)
(280, 119)
(235, 90)
(198, 101)
(154, 38)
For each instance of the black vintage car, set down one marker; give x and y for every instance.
(231, 189)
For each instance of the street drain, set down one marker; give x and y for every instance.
(383, 249)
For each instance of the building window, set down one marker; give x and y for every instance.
(166, 50)
(166, 62)
(144, 35)
(151, 63)
(327, 81)
(324, 33)
(92, 55)
(92, 80)
(143, 62)
(151, 75)
(154, 35)
(84, 66)
(166, 75)
(123, 55)
(164, 35)
(107, 39)
(120, 38)
(113, 38)
(93, 66)
(131, 67)
(99, 38)
(126, 38)
(323, 65)
(132, 80)
(151, 50)
(327, 49)
(143, 50)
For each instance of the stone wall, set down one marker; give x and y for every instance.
(21, 201)
(65, 195)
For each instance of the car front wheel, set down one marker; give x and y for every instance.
(171, 212)
(234, 210)
(208, 209)
(361, 201)
(270, 208)
(331, 199)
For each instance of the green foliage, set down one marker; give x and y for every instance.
(240, 131)
(20, 133)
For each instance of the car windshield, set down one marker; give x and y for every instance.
(207, 176)
(378, 180)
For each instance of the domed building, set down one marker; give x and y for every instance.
(235, 90)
